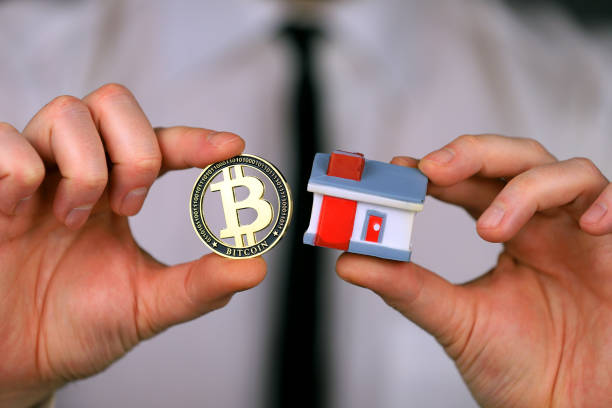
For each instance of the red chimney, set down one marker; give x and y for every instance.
(346, 165)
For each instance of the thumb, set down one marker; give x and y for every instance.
(170, 295)
(439, 307)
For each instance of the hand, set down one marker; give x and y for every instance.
(76, 291)
(536, 330)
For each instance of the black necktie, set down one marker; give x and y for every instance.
(298, 376)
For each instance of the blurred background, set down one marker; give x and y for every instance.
(393, 77)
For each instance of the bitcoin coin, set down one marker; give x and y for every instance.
(240, 207)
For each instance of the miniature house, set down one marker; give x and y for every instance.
(364, 206)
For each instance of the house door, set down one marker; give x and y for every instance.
(373, 227)
(336, 221)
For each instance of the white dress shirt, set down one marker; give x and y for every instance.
(400, 77)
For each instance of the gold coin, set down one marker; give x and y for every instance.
(241, 207)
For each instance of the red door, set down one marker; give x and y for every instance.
(336, 221)
(374, 227)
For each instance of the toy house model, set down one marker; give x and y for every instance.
(364, 206)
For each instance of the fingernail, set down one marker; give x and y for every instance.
(491, 217)
(133, 201)
(595, 213)
(78, 216)
(221, 138)
(442, 156)
(403, 161)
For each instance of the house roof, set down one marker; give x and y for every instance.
(381, 183)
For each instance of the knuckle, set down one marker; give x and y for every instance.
(193, 132)
(468, 140)
(7, 128)
(524, 184)
(31, 175)
(147, 165)
(93, 182)
(536, 146)
(587, 166)
(66, 104)
(112, 91)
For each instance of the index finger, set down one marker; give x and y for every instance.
(185, 147)
(489, 156)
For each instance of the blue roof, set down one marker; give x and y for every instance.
(378, 178)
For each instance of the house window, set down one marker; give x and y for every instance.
(374, 226)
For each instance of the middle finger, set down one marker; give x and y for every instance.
(63, 133)
(131, 144)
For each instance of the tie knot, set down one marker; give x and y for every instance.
(301, 35)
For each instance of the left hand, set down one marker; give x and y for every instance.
(536, 330)
(76, 290)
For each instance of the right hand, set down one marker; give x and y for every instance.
(536, 330)
(76, 291)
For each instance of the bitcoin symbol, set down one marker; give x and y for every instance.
(231, 206)
(218, 185)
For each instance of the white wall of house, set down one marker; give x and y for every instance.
(316, 212)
